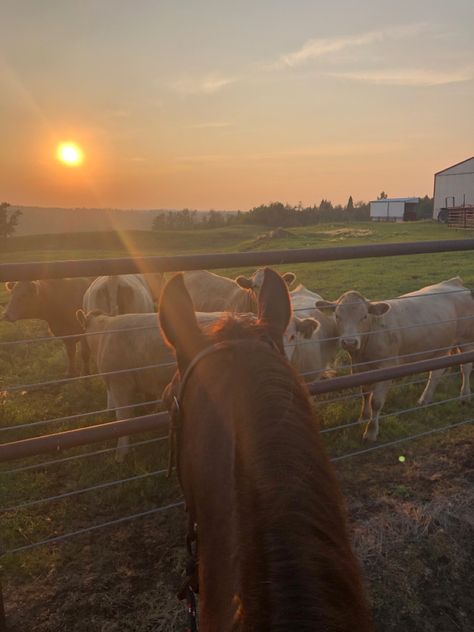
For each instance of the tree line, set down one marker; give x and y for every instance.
(278, 214)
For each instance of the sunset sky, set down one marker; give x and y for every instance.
(226, 105)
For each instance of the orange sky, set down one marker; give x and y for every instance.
(224, 106)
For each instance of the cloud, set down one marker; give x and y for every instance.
(406, 77)
(316, 48)
(210, 84)
(211, 125)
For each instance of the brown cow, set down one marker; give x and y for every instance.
(55, 301)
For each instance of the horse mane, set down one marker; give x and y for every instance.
(295, 555)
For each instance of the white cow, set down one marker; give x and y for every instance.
(311, 338)
(130, 341)
(428, 323)
(120, 294)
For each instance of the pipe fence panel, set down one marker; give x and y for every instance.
(91, 441)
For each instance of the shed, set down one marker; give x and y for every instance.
(453, 188)
(394, 209)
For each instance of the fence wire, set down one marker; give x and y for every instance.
(137, 477)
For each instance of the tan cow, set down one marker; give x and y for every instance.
(120, 294)
(130, 341)
(428, 323)
(56, 302)
(212, 293)
(311, 338)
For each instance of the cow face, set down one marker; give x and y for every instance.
(298, 331)
(24, 301)
(255, 282)
(354, 318)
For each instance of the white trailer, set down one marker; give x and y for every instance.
(393, 209)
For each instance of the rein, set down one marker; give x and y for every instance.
(190, 586)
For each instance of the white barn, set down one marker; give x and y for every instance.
(454, 186)
(393, 209)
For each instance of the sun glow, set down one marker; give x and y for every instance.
(70, 154)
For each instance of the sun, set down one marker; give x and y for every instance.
(70, 154)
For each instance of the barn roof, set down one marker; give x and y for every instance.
(455, 165)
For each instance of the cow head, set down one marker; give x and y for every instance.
(24, 301)
(299, 330)
(354, 316)
(255, 282)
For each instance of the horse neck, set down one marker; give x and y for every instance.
(296, 567)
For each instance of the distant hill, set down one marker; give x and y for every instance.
(37, 220)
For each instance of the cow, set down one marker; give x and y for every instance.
(427, 323)
(120, 294)
(55, 301)
(311, 340)
(213, 293)
(130, 341)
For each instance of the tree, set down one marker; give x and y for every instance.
(8, 223)
(350, 204)
(382, 196)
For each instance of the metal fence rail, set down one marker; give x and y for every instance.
(146, 265)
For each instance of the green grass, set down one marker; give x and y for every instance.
(29, 363)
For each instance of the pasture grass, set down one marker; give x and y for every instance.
(103, 559)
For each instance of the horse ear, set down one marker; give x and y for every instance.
(274, 307)
(9, 285)
(246, 284)
(178, 321)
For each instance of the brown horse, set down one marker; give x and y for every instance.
(273, 550)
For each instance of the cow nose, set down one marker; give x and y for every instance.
(349, 343)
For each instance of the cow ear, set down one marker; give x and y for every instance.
(274, 307)
(81, 318)
(325, 306)
(289, 278)
(178, 321)
(378, 309)
(9, 285)
(246, 284)
(306, 326)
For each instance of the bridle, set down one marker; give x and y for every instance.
(190, 586)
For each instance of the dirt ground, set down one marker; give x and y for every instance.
(412, 525)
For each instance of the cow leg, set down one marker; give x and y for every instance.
(122, 395)
(466, 382)
(366, 410)
(85, 354)
(433, 381)
(379, 395)
(70, 345)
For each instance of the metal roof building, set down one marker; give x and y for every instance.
(393, 209)
(454, 187)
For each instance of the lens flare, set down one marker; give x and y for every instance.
(70, 154)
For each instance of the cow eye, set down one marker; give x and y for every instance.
(292, 337)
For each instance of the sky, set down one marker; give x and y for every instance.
(228, 105)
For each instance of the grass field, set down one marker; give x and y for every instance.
(412, 522)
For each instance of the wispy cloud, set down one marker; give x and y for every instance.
(407, 77)
(210, 84)
(316, 48)
(211, 125)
